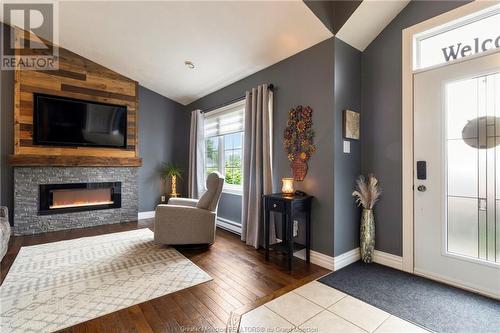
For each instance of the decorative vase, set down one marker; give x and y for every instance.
(299, 169)
(367, 235)
(174, 193)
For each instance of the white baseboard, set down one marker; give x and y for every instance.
(146, 215)
(317, 258)
(388, 259)
(229, 225)
(346, 258)
(328, 262)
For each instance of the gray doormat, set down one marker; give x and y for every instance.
(432, 305)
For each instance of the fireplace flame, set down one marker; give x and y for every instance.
(81, 204)
(80, 197)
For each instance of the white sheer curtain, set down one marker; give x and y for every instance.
(257, 164)
(196, 181)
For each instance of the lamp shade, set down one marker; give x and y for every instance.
(287, 187)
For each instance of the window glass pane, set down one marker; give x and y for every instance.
(459, 40)
(238, 140)
(238, 155)
(212, 152)
(227, 158)
(224, 144)
(229, 140)
(233, 166)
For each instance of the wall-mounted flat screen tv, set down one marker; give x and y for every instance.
(61, 121)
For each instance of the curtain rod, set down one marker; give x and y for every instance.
(234, 100)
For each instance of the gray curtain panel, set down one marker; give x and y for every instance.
(257, 164)
(196, 181)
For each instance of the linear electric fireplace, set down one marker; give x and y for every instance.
(77, 197)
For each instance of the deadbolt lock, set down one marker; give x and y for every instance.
(422, 188)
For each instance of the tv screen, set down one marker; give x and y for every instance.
(64, 121)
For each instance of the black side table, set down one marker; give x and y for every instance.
(288, 206)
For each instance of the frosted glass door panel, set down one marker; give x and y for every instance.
(463, 226)
(461, 100)
(497, 233)
(473, 167)
(462, 169)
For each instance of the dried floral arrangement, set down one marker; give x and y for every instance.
(298, 140)
(367, 191)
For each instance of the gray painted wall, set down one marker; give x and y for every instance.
(163, 136)
(230, 207)
(381, 121)
(333, 14)
(347, 167)
(307, 79)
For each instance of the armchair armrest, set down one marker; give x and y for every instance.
(183, 202)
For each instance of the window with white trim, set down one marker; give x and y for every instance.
(467, 36)
(224, 129)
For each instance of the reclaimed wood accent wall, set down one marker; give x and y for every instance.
(79, 78)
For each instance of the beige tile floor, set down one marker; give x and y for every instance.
(317, 308)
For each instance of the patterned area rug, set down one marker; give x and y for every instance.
(56, 285)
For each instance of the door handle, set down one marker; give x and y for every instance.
(422, 188)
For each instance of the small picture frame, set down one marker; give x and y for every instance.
(350, 124)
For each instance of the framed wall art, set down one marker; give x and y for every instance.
(350, 124)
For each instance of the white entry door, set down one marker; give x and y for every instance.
(457, 174)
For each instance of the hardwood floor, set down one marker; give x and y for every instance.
(242, 280)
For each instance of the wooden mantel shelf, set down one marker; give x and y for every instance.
(74, 161)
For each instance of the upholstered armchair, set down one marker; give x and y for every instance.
(4, 231)
(190, 221)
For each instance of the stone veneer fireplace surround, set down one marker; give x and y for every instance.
(35, 165)
(27, 181)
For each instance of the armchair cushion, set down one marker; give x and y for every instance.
(210, 199)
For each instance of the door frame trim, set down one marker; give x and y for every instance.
(407, 117)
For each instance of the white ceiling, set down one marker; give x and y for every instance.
(368, 21)
(149, 41)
